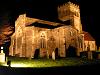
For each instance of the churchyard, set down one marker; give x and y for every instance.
(44, 62)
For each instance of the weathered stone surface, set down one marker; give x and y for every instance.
(35, 37)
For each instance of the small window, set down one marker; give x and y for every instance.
(93, 45)
(71, 34)
(80, 43)
(77, 14)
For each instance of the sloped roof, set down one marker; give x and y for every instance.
(88, 37)
(30, 21)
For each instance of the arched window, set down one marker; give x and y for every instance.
(80, 42)
(71, 33)
(42, 41)
(77, 14)
(93, 45)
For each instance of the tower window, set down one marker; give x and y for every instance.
(76, 14)
(71, 33)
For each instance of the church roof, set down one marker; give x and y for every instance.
(88, 37)
(42, 23)
(33, 20)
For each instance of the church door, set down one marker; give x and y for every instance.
(37, 53)
(71, 52)
(56, 53)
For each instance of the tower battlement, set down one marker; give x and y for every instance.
(70, 12)
(66, 9)
(68, 4)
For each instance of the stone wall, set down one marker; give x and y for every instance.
(30, 40)
(91, 45)
(46, 40)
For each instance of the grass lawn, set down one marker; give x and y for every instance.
(44, 62)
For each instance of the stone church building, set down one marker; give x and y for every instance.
(39, 38)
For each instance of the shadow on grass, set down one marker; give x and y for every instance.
(94, 68)
(86, 67)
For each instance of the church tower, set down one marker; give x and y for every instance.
(69, 13)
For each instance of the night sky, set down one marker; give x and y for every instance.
(47, 10)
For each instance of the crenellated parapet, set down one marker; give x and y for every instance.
(68, 9)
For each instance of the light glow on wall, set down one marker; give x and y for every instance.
(1, 47)
(16, 65)
(2, 57)
(19, 65)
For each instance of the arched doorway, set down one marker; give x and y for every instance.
(56, 53)
(37, 53)
(71, 52)
(51, 46)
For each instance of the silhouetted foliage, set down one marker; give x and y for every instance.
(5, 33)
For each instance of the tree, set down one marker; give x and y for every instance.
(5, 33)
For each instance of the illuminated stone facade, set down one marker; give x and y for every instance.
(34, 37)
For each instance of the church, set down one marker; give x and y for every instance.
(40, 38)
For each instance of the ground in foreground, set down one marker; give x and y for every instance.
(63, 66)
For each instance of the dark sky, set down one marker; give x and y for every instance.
(46, 9)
